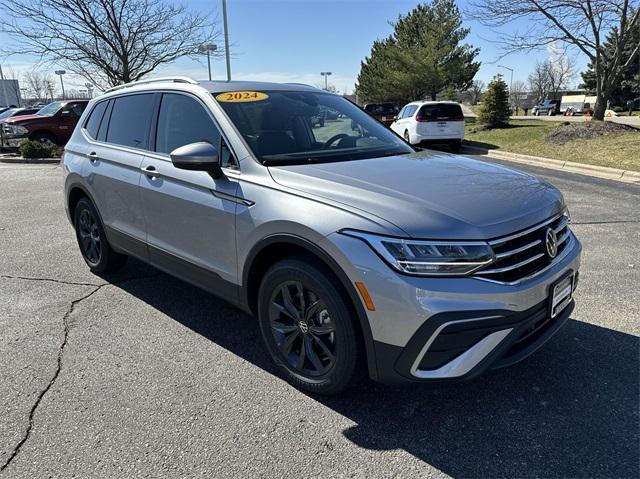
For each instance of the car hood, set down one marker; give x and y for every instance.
(18, 119)
(430, 194)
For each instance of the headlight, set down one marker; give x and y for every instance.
(428, 258)
(15, 130)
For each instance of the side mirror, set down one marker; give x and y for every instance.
(200, 156)
(395, 117)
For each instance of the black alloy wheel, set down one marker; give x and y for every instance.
(90, 241)
(302, 328)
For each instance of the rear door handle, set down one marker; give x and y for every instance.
(93, 157)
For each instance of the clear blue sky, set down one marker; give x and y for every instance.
(293, 40)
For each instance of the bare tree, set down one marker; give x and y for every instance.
(38, 84)
(560, 71)
(107, 42)
(476, 89)
(518, 95)
(583, 24)
(539, 81)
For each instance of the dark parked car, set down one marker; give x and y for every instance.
(11, 112)
(383, 112)
(53, 124)
(547, 107)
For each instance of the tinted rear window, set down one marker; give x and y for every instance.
(380, 108)
(93, 122)
(441, 111)
(129, 121)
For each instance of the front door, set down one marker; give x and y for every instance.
(190, 216)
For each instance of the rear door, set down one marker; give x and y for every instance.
(441, 121)
(190, 216)
(116, 148)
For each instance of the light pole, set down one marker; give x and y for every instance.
(226, 38)
(510, 81)
(89, 89)
(326, 76)
(208, 48)
(60, 73)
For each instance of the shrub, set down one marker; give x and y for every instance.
(495, 111)
(34, 149)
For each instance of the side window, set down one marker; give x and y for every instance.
(227, 160)
(182, 120)
(129, 120)
(102, 131)
(411, 109)
(92, 125)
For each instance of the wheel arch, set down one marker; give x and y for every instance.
(280, 246)
(46, 132)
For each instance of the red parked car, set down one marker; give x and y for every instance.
(383, 112)
(52, 124)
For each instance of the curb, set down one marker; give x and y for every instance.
(626, 176)
(40, 161)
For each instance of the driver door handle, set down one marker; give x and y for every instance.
(150, 171)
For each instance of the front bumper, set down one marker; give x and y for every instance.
(444, 329)
(10, 141)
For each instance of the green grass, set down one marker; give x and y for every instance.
(528, 137)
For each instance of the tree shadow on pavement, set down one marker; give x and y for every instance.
(569, 410)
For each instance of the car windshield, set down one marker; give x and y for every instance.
(294, 127)
(51, 109)
(8, 113)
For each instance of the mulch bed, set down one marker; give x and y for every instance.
(584, 131)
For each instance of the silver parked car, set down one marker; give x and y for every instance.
(355, 252)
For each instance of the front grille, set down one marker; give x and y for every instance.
(524, 254)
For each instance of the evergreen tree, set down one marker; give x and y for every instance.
(495, 110)
(628, 87)
(424, 55)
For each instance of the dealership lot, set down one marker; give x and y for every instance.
(139, 374)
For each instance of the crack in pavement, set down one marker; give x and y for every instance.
(61, 281)
(61, 348)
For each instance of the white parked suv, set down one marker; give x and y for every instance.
(431, 121)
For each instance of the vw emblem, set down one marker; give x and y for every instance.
(303, 327)
(551, 243)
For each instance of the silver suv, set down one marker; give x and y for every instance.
(356, 252)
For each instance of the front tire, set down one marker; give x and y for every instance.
(44, 138)
(308, 328)
(92, 240)
(407, 137)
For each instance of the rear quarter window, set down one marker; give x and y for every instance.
(92, 125)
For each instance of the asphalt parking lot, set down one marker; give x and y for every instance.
(142, 375)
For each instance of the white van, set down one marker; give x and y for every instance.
(431, 121)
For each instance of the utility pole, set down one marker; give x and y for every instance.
(226, 38)
(60, 73)
(326, 76)
(89, 89)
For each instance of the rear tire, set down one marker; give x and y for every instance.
(44, 138)
(308, 327)
(92, 240)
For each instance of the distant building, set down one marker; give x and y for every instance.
(10, 93)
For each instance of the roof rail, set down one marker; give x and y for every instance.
(154, 80)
